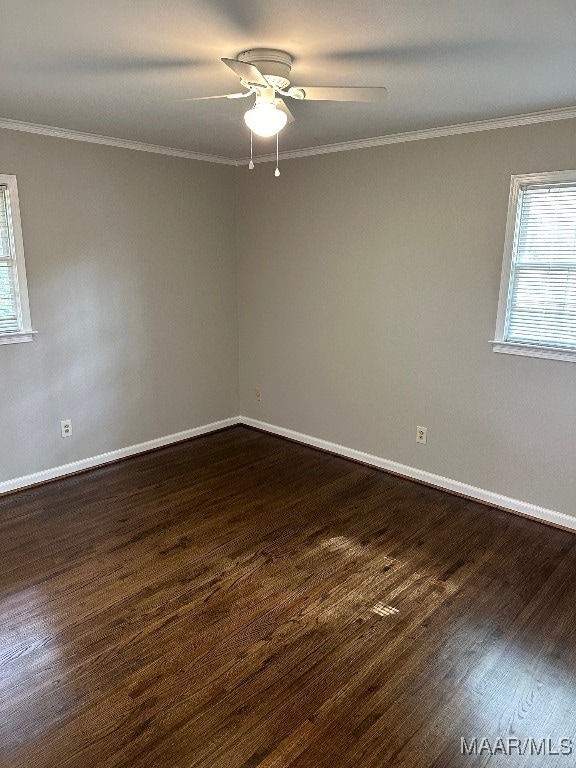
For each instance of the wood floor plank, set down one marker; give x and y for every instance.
(240, 601)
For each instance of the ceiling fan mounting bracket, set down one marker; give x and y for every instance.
(275, 65)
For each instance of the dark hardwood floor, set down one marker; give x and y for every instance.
(239, 601)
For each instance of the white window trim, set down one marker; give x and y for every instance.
(25, 333)
(499, 344)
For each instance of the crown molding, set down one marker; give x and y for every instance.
(94, 138)
(530, 118)
(513, 121)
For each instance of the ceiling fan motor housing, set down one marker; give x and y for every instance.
(274, 65)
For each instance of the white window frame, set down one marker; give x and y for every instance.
(25, 332)
(499, 344)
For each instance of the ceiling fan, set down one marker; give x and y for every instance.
(265, 73)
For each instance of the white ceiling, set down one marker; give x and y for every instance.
(112, 67)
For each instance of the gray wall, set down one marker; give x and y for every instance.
(132, 279)
(368, 289)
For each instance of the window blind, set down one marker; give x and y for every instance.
(542, 294)
(9, 314)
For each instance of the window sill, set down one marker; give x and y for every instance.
(533, 350)
(16, 337)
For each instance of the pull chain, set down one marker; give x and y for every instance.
(251, 163)
(277, 171)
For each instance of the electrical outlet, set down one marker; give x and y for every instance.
(258, 394)
(66, 428)
(421, 435)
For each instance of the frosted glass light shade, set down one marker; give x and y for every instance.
(265, 119)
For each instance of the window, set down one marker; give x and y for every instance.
(14, 310)
(537, 309)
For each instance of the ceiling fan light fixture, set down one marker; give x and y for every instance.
(265, 119)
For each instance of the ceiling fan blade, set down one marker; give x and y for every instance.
(247, 72)
(343, 93)
(113, 65)
(244, 15)
(410, 55)
(223, 96)
(280, 104)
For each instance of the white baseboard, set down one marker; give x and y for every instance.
(559, 519)
(542, 514)
(106, 458)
